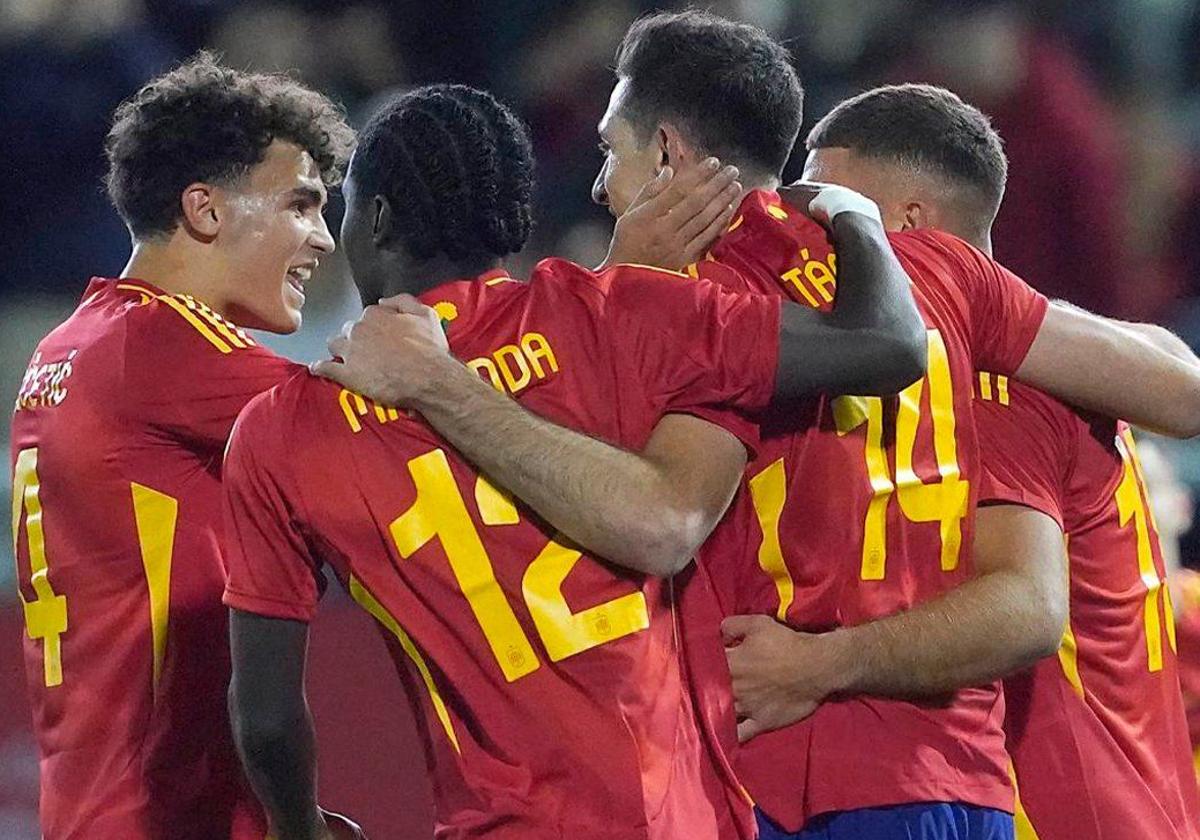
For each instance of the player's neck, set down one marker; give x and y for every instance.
(419, 277)
(175, 271)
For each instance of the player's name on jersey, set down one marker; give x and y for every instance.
(510, 369)
(45, 384)
(513, 367)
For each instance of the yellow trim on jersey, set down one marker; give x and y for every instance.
(236, 336)
(777, 211)
(737, 223)
(652, 268)
(1002, 389)
(180, 307)
(155, 514)
(368, 602)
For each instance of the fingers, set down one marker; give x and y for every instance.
(700, 192)
(652, 188)
(338, 345)
(739, 626)
(748, 728)
(710, 224)
(404, 303)
(333, 370)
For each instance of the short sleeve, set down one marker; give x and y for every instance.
(697, 348)
(269, 568)
(1005, 311)
(1026, 446)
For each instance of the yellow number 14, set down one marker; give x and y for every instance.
(944, 500)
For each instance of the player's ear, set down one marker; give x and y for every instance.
(201, 212)
(381, 230)
(915, 216)
(675, 150)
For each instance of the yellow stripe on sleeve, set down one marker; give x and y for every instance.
(1002, 389)
(368, 602)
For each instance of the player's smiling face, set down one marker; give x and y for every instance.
(630, 160)
(272, 235)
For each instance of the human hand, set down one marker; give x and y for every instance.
(392, 354)
(676, 217)
(780, 675)
(824, 202)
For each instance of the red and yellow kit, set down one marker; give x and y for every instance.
(1098, 735)
(863, 512)
(117, 439)
(549, 683)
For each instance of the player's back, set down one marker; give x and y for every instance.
(865, 511)
(548, 682)
(115, 514)
(1097, 734)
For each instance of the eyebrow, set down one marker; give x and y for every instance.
(311, 195)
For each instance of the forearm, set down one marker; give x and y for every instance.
(873, 342)
(280, 762)
(983, 630)
(602, 497)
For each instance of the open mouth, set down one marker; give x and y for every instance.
(297, 276)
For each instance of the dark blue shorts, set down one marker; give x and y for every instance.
(921, 821)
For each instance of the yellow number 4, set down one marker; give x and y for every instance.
(46, 617)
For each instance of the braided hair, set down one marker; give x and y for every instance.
(456, 166)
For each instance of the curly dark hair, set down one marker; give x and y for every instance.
(205, 122)
(925, 128)
(456, 165)
(728, 85)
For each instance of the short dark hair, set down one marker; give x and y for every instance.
(730, 86)
(922, 127)
(205, 122)
(457, 167)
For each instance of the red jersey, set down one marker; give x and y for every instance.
(1098, 735)
(116, 445)
(548, 682)
(864, 512)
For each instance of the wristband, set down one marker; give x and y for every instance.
(833, 200)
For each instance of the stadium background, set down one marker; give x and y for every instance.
(1098, 101)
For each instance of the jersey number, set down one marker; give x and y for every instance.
(439, 513)
(943, 500)
(46, 615)
(1130, 497)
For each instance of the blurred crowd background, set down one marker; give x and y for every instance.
(1098, 102)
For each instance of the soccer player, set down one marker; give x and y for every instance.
(120, 424)
(548, 681)
(1097, 735)
(863, 766)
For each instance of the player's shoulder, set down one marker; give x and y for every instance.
(602, 289)
(765, 220)
(174, 325)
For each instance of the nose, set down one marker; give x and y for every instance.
(321, 239)
(599, 194)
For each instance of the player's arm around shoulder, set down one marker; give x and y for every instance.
(873, 342)
(1137, 372)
